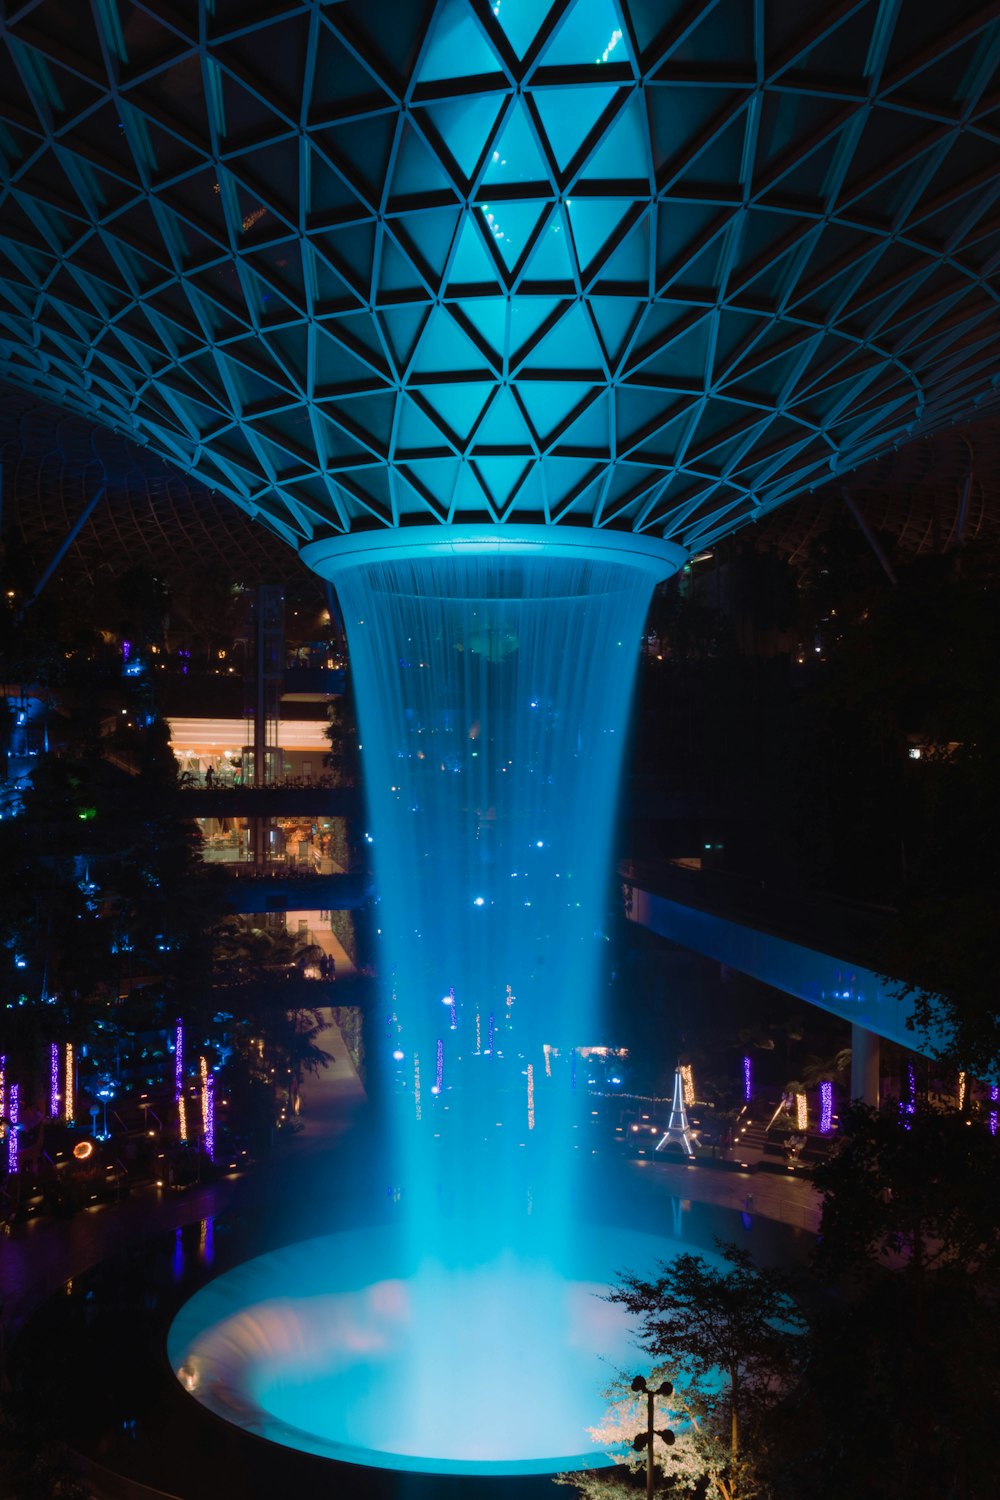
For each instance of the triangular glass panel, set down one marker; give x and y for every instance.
(570, 345)
(549, 402)
(591, 33)
(580, 501)
(516, 157)
(589, 431)
(624, 150)
(412, 501)
(469, 492)
(443, 347)
(396, 272)
(465, 126)
(488, 315)
(437, 476)
(415, 432)
(677, 120)
(371, 489)
(417, 170)
(371, 413)
(501, 476)
(472, 264)
(335, 365)
(564, 476)
(530, 499)
(551, 257)
(615, 318)
(569, 114)
(456, 48)
(458, 404)
(511, 225)
(338, 446)
(630, 262)
(503, 425)
(432, 234)
(362, 149)
(402, 326)
(519, 20)
(352, 249)
(527, 314)
(593, 221)
(641, 411)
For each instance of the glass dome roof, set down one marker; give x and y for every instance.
(644, 265)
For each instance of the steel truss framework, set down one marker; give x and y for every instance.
(641, 264)
(53, 462)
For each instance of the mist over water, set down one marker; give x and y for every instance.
(493, 695)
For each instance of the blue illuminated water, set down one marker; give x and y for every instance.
(494, 697)
(314, 1347)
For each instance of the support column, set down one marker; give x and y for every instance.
(865, 1059)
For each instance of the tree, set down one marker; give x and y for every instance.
(699, 1459)
(913, 1188)
(739, 1322)
(900, 1396)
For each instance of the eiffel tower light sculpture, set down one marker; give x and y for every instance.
(678, 1131)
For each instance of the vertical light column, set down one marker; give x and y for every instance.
(69, 1092)
(13, 1117)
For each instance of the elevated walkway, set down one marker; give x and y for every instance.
(808, 948)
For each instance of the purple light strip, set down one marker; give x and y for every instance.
(439, 1067)
(54, 1081)
(454, 1011)
(747, 1080)
(994, 1096)
(210, 1116)
(13, 1115)
(490, 1047)
(825, 1108)
(179, 1059)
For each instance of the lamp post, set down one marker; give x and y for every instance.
(645, 1439)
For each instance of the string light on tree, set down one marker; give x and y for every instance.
(203, 1075)
(182, 1120)
(688, 1079)
(531, 1097)
(961, 1090)
(801, 1112)
(3, 1095)
(547, 1050)
(747, 1080)
(13, 1116)
(439, 1068)
(417, 1108)
(825, 1108)
(69, 1093)
(994, 1097)
(179, 1059)
(208, 1114)
(54, 1081)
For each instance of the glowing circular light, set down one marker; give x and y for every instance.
(398, 1056)
(479, 901)
(83, 1149)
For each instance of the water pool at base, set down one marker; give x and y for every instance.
(344, 1347)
